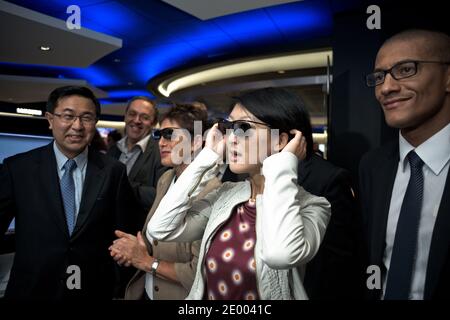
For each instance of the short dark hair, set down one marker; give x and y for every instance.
(147, 99)
(185, 115)
(66, 91)
(281, 109)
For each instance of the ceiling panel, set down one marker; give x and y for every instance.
(207, 9)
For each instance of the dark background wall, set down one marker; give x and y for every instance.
(357, 122)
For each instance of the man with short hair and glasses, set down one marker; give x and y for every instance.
(67, 200)
(139, 152)
(405, 184)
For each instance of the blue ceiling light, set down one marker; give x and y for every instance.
(157, 59)
(96, 75)
(308, 19)
(112, 16)
(128, 94)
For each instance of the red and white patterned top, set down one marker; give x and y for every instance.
(230, 261)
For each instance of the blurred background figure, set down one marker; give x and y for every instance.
(98, 143)
(112, 139)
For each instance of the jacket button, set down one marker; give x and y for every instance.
(155, 242)
(156, 288)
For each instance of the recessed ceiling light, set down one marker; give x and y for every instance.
(281, 71)
(44, 48)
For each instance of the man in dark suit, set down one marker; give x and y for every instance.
(67, 200)
(139, 152)
(404, 185)
(335, 271)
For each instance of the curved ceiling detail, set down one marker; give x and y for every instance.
(239, 68)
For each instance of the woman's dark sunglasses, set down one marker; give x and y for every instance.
(165, 133)
(239, 127)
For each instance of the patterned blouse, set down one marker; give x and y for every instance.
(230, 261)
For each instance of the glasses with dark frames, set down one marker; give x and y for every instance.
(166, 133)
(239, 127)
(87, 119)
(401, 70)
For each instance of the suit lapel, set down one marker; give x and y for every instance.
(50, 183)
(161, 190)
(384, 178)
(141, 160)
(163, 186)
(94, 180)
(439, 243)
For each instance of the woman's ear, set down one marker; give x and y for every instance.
(283, 140)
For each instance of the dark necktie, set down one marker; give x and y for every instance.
(68, 193)
(398, 284)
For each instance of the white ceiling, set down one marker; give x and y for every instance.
(207, 9)
(20, 89)
(69, 48)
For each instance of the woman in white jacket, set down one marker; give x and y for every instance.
(257, 235)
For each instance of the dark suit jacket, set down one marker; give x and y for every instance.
(145, 174)
(334, 273)
(377, 172)
(30, 192)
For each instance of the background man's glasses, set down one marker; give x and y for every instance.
(401, 70)
(68, 118)
(239, 127)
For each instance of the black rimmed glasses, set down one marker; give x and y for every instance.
(239, 127)
(87, 119)
(400, 70)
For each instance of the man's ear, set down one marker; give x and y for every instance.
(283, 140)
(49, 117)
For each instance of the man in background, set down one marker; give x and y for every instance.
(139, 152)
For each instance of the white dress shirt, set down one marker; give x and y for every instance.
(435, 153)
(129, 157)
(79, 173)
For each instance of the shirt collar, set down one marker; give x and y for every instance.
(434, 152)
(142, 144)
(61, 159)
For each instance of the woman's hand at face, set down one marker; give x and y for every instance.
(216, 141)
(297, 145)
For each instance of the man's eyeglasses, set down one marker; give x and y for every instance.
(68, 118)
(239, 127)
(401, 70)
